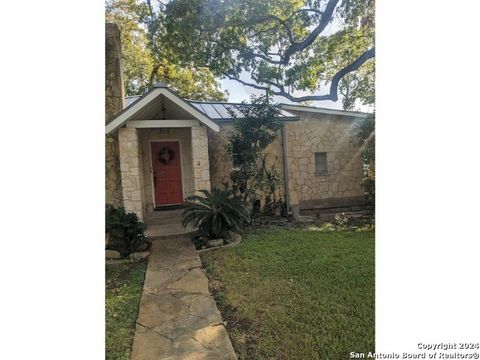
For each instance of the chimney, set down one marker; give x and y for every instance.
(114, 101)
(114, 91)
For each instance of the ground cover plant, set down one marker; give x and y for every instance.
(297, 293)
(123, 290)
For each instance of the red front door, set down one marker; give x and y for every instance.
(167, 173)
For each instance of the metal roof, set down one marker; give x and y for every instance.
(218, 111)
(129, 100)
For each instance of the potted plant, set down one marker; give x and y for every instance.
(215, 213)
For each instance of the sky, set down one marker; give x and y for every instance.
(238, 93)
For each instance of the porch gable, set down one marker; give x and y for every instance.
(186, 114)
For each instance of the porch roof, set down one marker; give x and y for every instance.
(148, 101)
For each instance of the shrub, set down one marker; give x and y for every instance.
(215, 213)
(126, 231)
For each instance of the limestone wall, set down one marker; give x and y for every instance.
(323, 133)
(131, 169)
(184, 137)
(312, 133)
(114, 98)
(200, 159)
(220, 162)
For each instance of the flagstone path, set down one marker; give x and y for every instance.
(178, 318)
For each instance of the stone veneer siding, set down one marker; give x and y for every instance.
(114, 99)
(312, 133)
(322, 133)
(200, 159)
(183, 136)
(131, 171)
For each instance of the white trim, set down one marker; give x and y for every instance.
(130, 111)
(123, 117)
(162, 123)
(356, 114)
(180, 142)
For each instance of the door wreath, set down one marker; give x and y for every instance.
(165, 155)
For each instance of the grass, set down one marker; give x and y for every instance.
(123, 290)
(297, 294)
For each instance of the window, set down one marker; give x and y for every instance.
(320, 163)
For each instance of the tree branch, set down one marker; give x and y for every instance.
(259, 87)
(282, 22)
(333, 93)
(324, 20)
(367, 55)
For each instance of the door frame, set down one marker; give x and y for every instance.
(151, 168)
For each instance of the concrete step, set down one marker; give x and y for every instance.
(164, 217)
(165, 231)
(165, 213)
(161, 221)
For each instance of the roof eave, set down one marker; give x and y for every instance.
(294, 107)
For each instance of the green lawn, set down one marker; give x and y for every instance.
(297, 294)
(123, 289)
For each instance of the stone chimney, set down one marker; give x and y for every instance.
(114, 91)
(114, 102)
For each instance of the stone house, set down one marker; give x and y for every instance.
(161, 148)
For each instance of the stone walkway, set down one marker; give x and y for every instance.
(178, 318)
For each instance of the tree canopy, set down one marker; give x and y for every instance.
(146, 61)
(303, 50)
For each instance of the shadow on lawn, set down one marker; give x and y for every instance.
(243, 332)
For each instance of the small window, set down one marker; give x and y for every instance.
(320, 163)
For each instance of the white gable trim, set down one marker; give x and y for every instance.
(162, 123)
(356, 114)
(123, 117)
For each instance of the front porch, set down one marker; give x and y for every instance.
(147, 182)
(163, 152)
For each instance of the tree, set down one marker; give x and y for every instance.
(252, 133)
(364, 131)
(285, 46)
(146, 62)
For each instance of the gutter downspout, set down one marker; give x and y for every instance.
(285, 168)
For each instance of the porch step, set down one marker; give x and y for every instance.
(165, 217)
(159, 232)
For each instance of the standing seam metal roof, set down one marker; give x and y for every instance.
(221, 110)
(217, 110)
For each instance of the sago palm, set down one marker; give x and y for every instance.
(215, 213)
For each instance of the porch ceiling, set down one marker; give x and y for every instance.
(162, 108)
